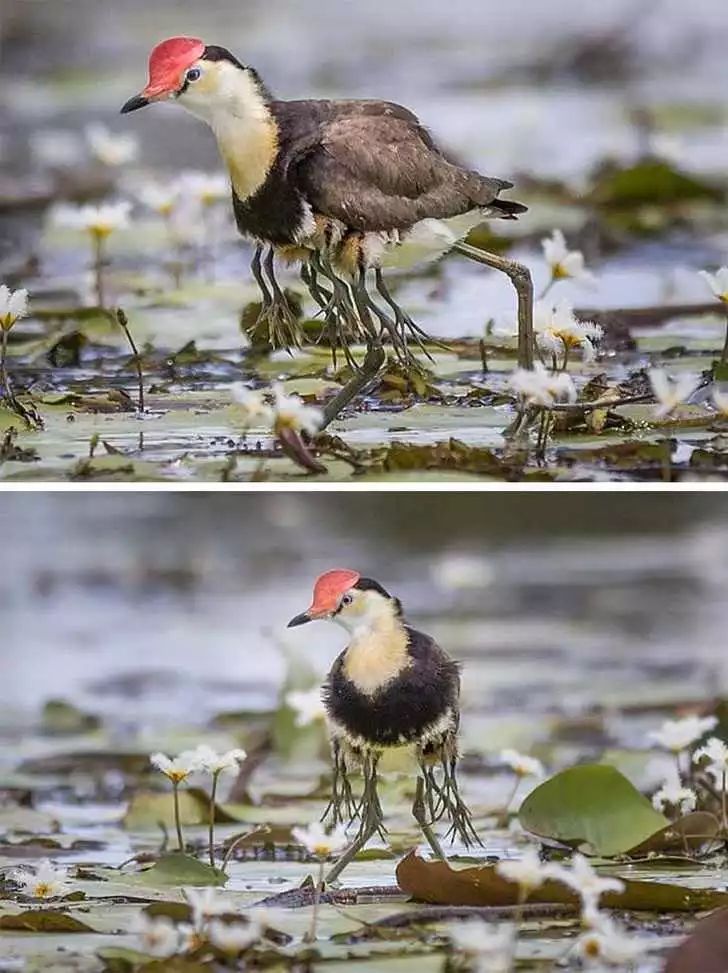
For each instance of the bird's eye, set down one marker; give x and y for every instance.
(193, 74)
(346, 600)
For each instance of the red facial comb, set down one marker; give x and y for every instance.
(329, 588)
(168, 61)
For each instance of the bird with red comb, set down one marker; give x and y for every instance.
(392, 686)
(345, 189)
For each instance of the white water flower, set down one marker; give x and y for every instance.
(158, 197)
(44, 881)
(717, 282)
(307, 705)
(109, 147)
(233, 937)
(491, 946)
(256, 410)
(207, 902)
(608, 943)
(191, 938)
(292, 413)
(99, 220)
(678, 735)
(521, 764)
(670, 392)
(158, 937)
(557, 330)
(714, 756)
(319, 842)
(209, 761)
(540, 387)
(13, 305)
(583, 879)
(672, 795)
(206, 188)
(564, 263)
(527, 872)
(177, 769)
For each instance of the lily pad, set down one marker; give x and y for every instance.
(44, 920)
(150, 809)
(178, 869)
(437, 882)
(592, 805)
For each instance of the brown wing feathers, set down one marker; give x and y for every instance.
(374, 167)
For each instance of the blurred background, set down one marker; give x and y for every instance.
(549, 95)
(159, 610)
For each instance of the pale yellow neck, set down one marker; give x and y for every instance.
(230, 101)
(248, 148)
(377, 655)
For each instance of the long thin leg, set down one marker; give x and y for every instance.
(373, 361)
(403, 321)
(520, 275)
(371, 818)
(420, 815)
(257, 272)
(341, 793)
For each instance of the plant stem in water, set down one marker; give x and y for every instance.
(177, 822)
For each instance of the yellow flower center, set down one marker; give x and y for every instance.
(559, 272)
(592, 947)
(177, 775)
(321, 850)
(42, 890)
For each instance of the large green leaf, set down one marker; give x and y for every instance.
(150, 809)
(178, 869)
(592, 805)
(43, 920)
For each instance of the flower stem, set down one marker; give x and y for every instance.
(547, 288)
(211, 821)
(311, 934)
(177, 822)
(124, 325)
(4, 378)
(98, 246)
(724, 355)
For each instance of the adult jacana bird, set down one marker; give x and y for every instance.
(392, 686)
(346, 187)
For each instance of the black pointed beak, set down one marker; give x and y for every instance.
(138, 101)
(299, 620)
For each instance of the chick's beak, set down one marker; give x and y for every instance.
(138, 101)
(300, 620)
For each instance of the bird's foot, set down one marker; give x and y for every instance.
(280, 322)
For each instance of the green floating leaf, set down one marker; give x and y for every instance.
(436, 882)
(594, 805)
(149, 809)
(43, 920)
(178, 869)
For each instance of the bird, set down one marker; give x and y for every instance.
(392, 686)
(344, 187)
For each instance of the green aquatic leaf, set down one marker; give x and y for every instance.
(178, 870)
(591, 805)
(148, 810)
(43, 920)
